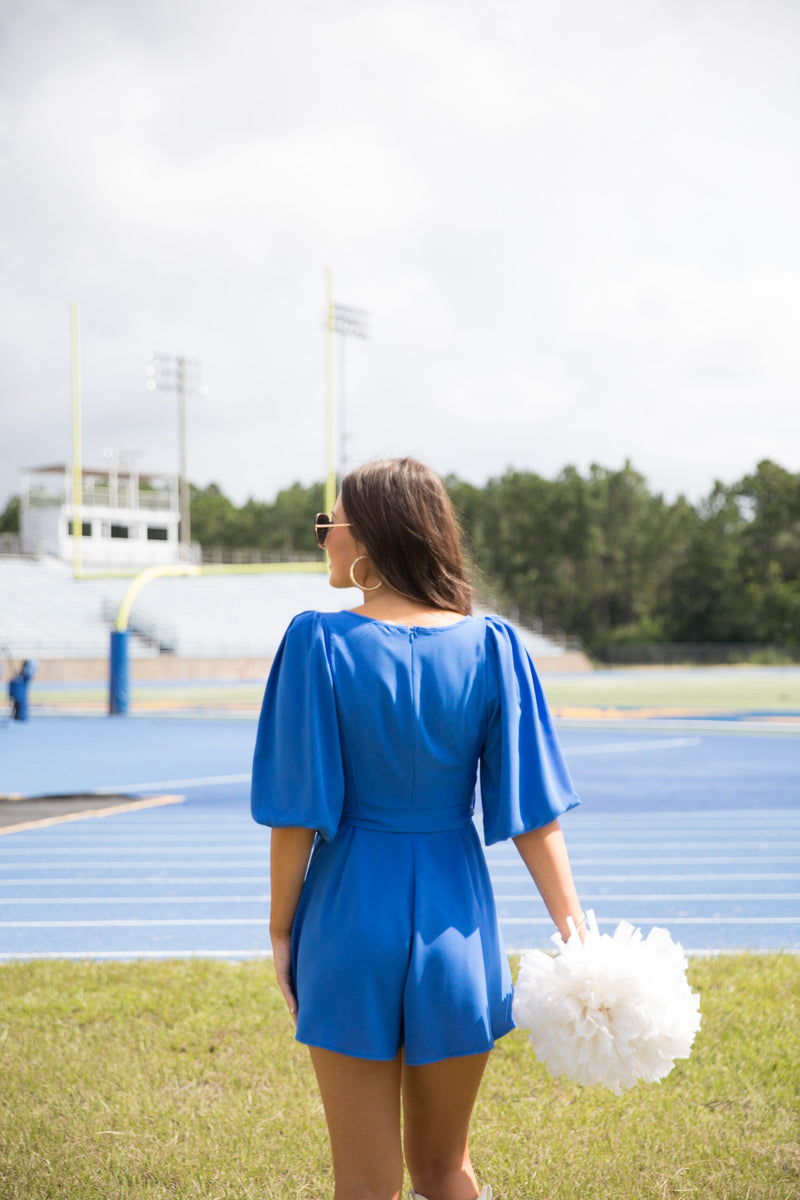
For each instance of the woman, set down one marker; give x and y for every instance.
(375, 724)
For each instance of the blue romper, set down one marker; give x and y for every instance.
(374, 734)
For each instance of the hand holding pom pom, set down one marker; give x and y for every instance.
(611, 1009)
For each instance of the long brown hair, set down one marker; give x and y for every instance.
(401, 513)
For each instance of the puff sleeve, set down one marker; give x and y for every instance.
(525, 783)
(298, 778)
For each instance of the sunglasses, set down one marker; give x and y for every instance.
(323, 523)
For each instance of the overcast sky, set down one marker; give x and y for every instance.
(574, 224)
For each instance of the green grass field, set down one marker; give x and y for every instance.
(182, 1079)
(710, 689)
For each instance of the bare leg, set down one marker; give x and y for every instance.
(437, 1106)
(362, 1108)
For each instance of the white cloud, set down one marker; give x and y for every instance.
(574, 227)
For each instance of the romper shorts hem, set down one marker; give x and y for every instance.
(420, 1061)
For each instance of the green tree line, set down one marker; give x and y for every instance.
(287, 524)
(597, 554)
(604, 558)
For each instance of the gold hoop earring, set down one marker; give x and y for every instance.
(362, 586)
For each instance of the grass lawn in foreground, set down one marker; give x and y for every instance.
(182, 1079)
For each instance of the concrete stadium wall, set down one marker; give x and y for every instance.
(144, 670)
(170, 667)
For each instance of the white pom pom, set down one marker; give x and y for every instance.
(611, 1009)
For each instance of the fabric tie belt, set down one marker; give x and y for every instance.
(410, 820)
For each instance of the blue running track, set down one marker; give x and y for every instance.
(696, 828)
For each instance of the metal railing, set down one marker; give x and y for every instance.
(245, 555)
(125, 498)
(693, 653)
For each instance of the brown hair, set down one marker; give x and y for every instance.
(401, 513)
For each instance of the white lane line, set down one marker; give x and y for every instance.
(640, 829)
(68, 851)
(201, 923)
(182, 830)
(225, 857)
(774, 831)
(656, 858)
(637, 897)
(261, 898)
(654, 877)
(117, 954)
(697, 951)
(171, 827)
(692, 816)
(577, 864)
(597, 843)
(247, 836)
(669, 920)
(180, 881)
(132, 922)
(192, 880)
(103, 841)
(583, 822)
(140, 880)
(258, 954)
(631, 747)
(146, 845)
(687, 817)
(176, 899)
(522, 877)
(657, 877)
(248, 845)
(656, 843)
(200, 781)
(505, 897)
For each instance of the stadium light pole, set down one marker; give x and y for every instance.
(346, 321)
(77, 462)
(176, 373)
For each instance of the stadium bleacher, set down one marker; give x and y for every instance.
(46, 613)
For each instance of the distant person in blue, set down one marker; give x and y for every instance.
(376, 724)
(18, 690)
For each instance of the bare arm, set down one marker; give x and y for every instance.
(289, 854)
(545, 855)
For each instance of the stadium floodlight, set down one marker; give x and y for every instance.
(176, 373)
(352, 322)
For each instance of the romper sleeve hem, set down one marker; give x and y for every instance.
(524, 780)
(298, 776)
